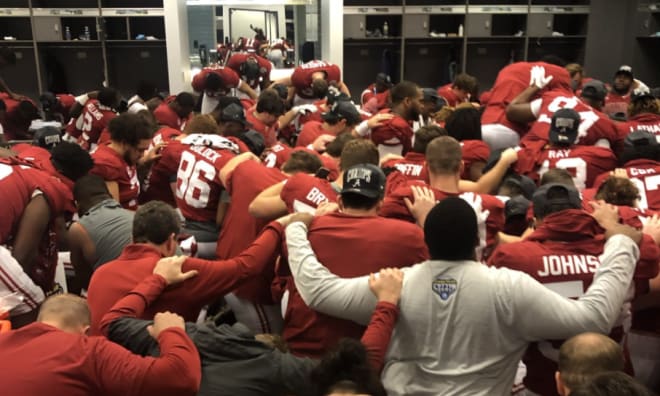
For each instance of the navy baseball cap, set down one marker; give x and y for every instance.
(235, 113)
(47, 137)
(254, 140)
(564, 127)
(343, 109)
(364, 179)
(594, 89)
(543, 205)
(640, 137)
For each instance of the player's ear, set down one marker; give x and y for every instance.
(561, 389)
(340, 203)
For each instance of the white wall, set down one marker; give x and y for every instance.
(281, 18)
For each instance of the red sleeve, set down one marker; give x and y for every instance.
(135, 302)
(220, 277)
(376, 339)
(647, 265)
(176, 372)
(230, 78)
(307, 136)
(394, 206)
(395, 180)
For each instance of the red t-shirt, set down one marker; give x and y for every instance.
(615, 103)
(301, 78)
(279, 153)
(240, 229)
(112, 281)
(198, 185)
(562, 253)
(65, 103)
(511, 81)
(304, 193)
(394, 206)
(168, 117)
(594, 125)
(393, 132)
(337, 239)
(412, 166)
(309, 133)
(111, 166)
(448, 94)
(40, 157)
(93, 120)
(237, 59)
(584, 163)
(645, 121)
(162, 174)
(380, 98)
(473, 151)
(229, 78)
(645, 175)
(269, 132)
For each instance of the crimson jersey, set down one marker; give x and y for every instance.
(304, 193)
(269, 132)
(111, 166)
(236, 61)
(240, 229)
(198, 185)
(301, 79)
(321, 106)
(40, 157)
(645, 175)
(309, 133)
(64, 104)
(19, 182)
(615, 103)
(395, 207)
(473, 151)
(447, 93)
(168, 117)
(229, 79)
(92, 121)
(279, 153)
(594, 125)
(370, 93)
(393, 132)
(338, 239)
(162, 173)
(412, 166)
(584, 163)
(512, 80)
(645, 121)
(562, 253)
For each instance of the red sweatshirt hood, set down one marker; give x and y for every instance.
(567, 225)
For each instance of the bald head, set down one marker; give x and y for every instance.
(67, 312)
(586, 355)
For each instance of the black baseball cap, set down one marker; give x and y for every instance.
(251, 69)
(594, 89)
(516, 206)
(625, 69)
(640, 137)
(235, 113)
(254, 140)
(383, 78)
(364, 179)
(641, 93)
(343, 109)
(47, 137)
(544, 205)
(431, 95)
(564, 127)
(524, 183)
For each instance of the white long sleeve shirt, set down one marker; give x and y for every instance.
(464, 326)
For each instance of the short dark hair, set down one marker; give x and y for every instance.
(465, 82)
(612, 384)
(213, 82)
(108, 97)
(130, 129)
(270, 102)
(557, 175)
(464, 124)
(424, 135)
(553, 60)
(146, 90)
(643, 105)
(154, 222)
(302, 161)
(450, 230)
(586, 355)
(444, 155)
(358, 201)
(71, 160)
(27, 110)
(88, 187)
(185, 99)
(618, 191)
(358, 151)
(319, 88)
(403, 90)
(335, 147)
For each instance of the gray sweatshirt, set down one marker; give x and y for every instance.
(463, 326)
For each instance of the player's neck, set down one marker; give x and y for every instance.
(446, 183)
(360, 212)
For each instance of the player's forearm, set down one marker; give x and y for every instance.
(519, 110)
(319, 288)
(376, 339)
(135, 302)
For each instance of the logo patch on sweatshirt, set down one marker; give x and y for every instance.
(444, 287)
